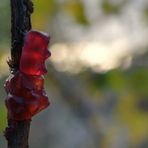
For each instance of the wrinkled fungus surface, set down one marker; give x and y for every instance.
(25, 89)
(34, 53)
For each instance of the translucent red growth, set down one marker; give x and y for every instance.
(26, 96)
(25, 89)
(34, 53)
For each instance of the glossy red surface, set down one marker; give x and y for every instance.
(34, 53)
(26, 96)
(25, 89)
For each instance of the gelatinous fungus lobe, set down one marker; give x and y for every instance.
(34, 53)
(25, 89)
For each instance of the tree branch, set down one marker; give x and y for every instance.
(17, 132)
(20, 24)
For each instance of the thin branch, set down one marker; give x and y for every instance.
(17, 132)
(20, 24)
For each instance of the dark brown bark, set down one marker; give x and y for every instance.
(20, 24)
(17, 132)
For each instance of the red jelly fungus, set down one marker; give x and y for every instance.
(25, 89)
(34, 53)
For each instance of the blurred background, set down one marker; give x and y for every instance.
(98, 73)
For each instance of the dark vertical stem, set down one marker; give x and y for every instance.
(17, 132)
(20, 24)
